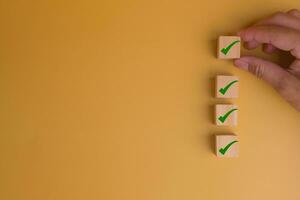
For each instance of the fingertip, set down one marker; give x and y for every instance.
(240, 63)
(294, 12)
(244, 34)
(251, 45)
(239, 33)
(248, 59)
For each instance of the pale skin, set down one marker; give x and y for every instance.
(281, 31)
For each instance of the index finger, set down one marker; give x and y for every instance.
(281, 37)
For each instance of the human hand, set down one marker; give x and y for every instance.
(280, 31)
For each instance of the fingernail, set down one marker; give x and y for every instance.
(295, 12)
(241, 64)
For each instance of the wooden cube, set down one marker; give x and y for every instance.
(227, 146)
(229, 47)
(226, 115)
(227, 86)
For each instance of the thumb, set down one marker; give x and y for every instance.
(270, 72)
(287, 85)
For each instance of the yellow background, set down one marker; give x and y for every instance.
(113, 100)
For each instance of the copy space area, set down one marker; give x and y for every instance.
(114, 100)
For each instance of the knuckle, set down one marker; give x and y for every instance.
(257, 70)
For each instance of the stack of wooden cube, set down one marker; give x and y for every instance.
(227, 87)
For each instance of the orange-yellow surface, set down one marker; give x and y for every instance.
(113, 100)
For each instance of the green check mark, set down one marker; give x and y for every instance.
(224, 117)
(224, 89)
(225, 50)
(223, 150)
